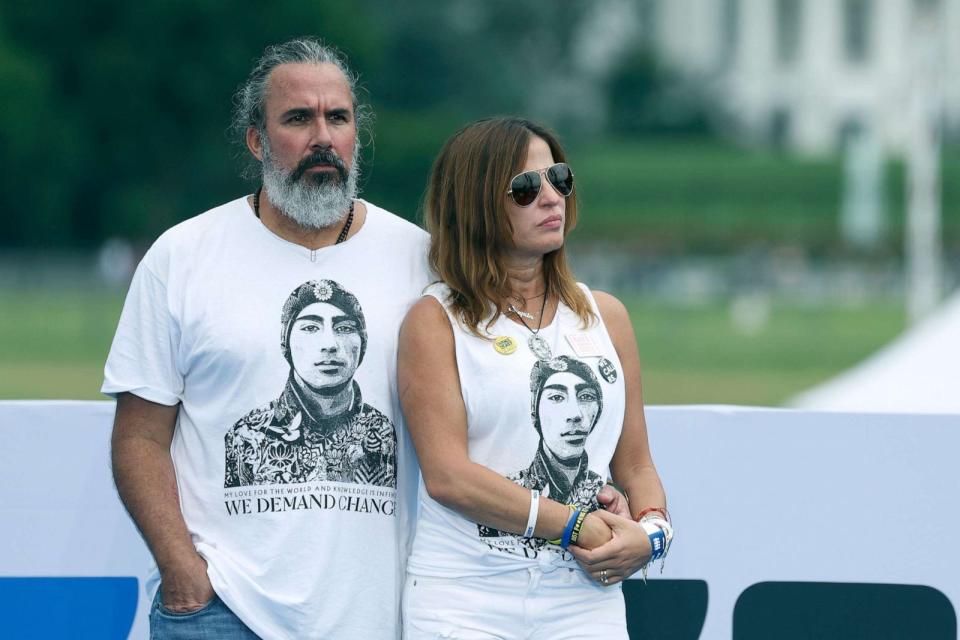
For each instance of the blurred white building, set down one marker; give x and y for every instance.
(809, 73)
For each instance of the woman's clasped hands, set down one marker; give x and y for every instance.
(611, 547)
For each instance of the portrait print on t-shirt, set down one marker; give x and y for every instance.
(565, 404)
(319, 428)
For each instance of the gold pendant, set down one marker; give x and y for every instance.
(504, 345)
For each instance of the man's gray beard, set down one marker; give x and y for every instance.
(310, 205)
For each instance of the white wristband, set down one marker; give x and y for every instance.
(662, 523)
(534, 512)
(658, 539)
(656, 522)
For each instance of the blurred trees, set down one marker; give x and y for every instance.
(645, 99)
(115, 113)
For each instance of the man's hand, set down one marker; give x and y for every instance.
(186, 587)
(625, 554)
(613, 501)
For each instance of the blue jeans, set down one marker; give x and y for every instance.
(212, 621)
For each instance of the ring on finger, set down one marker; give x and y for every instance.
(603, 577)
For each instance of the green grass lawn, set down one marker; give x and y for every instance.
(695, 355)
(53, 345)
(707, 195)
(697, 195)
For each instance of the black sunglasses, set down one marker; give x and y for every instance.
(525, 187)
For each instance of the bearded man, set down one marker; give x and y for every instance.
(290, 520)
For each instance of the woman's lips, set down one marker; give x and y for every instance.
(553, 222)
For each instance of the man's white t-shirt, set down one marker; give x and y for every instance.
(304, 516)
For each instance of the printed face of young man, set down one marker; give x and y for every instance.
(325, 346)
(567, 410)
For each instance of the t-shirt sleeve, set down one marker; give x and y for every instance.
(143, 357)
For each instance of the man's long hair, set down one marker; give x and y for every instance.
(249, 101)
(464, 210)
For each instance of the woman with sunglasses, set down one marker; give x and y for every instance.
(521, 390)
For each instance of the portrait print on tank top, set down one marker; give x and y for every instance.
(565, 403)
(319, 428)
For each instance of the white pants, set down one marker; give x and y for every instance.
(528, 603)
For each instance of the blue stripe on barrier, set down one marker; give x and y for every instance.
(77, 608)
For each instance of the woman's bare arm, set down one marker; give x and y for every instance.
(632, 465)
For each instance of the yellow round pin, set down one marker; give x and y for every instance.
(505, 345)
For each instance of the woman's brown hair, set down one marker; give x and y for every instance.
(464, 210)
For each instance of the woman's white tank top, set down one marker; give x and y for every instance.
(550, 423)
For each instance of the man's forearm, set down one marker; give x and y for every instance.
(147, 484)
(146, 480)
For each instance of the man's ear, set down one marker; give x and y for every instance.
(254, 143)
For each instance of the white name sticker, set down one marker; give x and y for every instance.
(584, 345)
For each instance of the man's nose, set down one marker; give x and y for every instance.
(327, 341)
(320, 135)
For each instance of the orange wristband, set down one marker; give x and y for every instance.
(661, 510)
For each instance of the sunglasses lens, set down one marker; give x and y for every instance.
(525, 187)
(561, 178)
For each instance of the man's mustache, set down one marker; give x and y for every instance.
(319, 158)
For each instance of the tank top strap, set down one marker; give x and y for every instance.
(589, 294)
(593, 304)
(441, 292)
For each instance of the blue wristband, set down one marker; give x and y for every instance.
(658, 543)
(568, 531)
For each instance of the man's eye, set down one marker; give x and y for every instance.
(309, 328)
(556, 396)
(587, 396)
(345, 328)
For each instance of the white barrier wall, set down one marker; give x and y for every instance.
(756, 495)
(777, 495)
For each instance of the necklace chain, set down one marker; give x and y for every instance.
(343, 232)
(520, 314)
